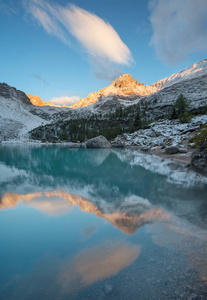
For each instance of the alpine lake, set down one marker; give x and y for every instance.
(100, 224)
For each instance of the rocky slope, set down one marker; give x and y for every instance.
(18, 115)
(197, 69)
(165, 137)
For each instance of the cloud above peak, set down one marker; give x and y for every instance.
(179, 28)
(65, 100)
(96, 36)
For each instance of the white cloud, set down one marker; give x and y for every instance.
(96, 36)
(180, 28)
(65, 100)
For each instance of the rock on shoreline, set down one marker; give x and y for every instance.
(98, 142)
(199, 159)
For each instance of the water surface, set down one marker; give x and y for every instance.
(100, 224)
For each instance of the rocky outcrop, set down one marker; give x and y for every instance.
(98, 142)
(170, 136)
(9, 92)
(199, 159)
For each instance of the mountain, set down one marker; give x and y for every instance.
(37, 101)
(21, 113)
(127, 88)
(18, 115)
(124, 87)
(125, 221)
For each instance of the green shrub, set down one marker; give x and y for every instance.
(185, 118)
(200, 138)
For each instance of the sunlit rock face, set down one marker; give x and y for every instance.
(124, 86)
(37, 101)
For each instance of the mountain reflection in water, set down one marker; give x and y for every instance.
(94, 224)
(50, 203)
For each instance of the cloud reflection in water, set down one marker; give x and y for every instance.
(97, 263)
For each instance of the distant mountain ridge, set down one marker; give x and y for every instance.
(37, 101)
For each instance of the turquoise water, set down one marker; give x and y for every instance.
(100, 224)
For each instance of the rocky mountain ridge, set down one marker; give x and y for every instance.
(125, 87)
(37, 101)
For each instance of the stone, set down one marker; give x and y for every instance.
(182, 150)
(199, 159)
(98, 142)
(192, 145)
(192, 296)
(172, 150)
(145, 148)
(163, 145)
(108, 289)
(152, 134)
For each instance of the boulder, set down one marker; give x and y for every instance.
(98, 142)
(199, 159)
(183, 150)
(172, 150)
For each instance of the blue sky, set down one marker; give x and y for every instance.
(64, 50)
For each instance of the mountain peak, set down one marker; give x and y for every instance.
(123, 86)
(125, 77)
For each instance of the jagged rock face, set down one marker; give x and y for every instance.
(124, 86)
(8, 92)
(37, 101)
